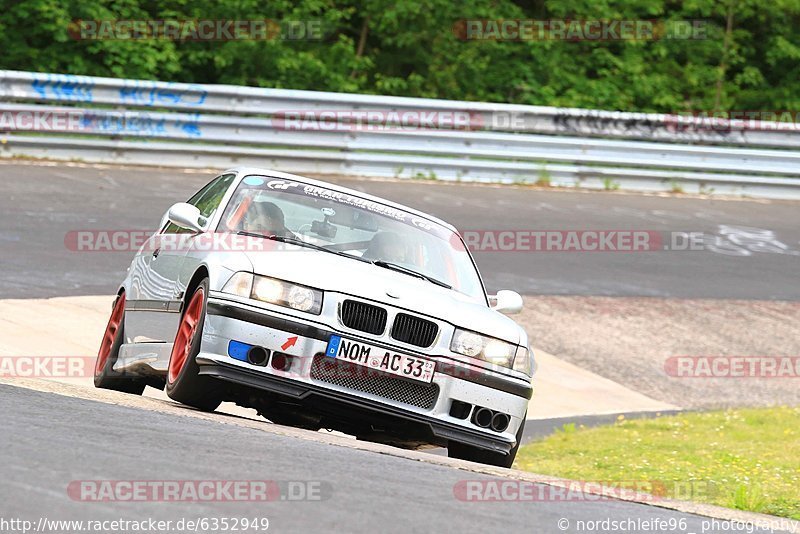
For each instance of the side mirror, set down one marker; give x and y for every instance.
(507, 301)
(186, 216)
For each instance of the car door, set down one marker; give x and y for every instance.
(154, 312)
(197, 252)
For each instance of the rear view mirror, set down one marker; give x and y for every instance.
(365, 221)
(186, 216)
(507, 302)
(355, 219)
(323, 229)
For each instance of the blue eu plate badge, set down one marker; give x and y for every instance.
(333, 346)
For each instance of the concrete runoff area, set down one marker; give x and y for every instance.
(73, 326)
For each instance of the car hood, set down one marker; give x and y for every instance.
(330, 272)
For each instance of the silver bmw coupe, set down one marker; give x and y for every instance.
(322, 307)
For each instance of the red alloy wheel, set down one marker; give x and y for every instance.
(186, 332)
(114, 323)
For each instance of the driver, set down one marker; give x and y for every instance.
(265, 218)
(386, 246)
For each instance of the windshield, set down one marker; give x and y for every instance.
(351, 225)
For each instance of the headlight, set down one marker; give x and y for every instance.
(268, 290)
(483, 347)
(275, 291)
(467, 343)
(523, 361)
(239, 284)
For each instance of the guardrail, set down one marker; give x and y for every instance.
(189, 125)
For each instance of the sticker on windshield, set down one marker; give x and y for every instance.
(421, 223)
(281, 184)
(253, 180)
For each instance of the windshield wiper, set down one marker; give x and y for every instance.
(379, 263)
(301, 243)
(410, 272)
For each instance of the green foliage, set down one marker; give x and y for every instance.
(566, 428)
(545, 178)
(411, 48)
(747, 459)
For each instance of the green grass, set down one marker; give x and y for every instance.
(745, 459)
(610, 185)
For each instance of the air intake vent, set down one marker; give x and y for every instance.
(364, 379)
(414, 330)
(364, 317)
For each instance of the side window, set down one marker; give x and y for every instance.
(207, 200)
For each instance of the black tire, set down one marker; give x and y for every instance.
(104, 375)
(482, 456)
(185, 385)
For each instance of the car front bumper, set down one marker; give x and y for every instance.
(229, 320)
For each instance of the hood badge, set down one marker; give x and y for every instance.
(392, 293)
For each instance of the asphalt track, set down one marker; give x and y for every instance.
(49, 441)
(40, 204)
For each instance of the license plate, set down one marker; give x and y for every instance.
(373, 357)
